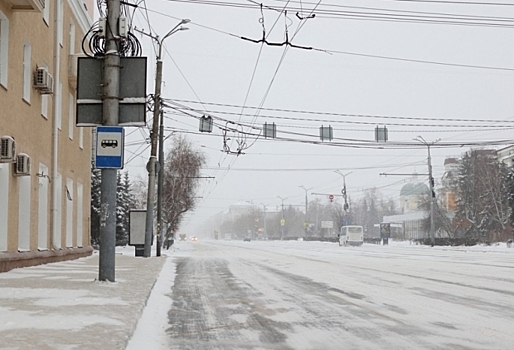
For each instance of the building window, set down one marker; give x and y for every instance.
(46, 13)
(81, 138)
(58, 106)
(4, 204)
(71, 117)
(72, 39)
(80, 199)
(26, 71)
(4, 46)
(60, 21)
(44, 101)
(44, 106)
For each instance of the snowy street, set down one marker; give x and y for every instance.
(313, 295)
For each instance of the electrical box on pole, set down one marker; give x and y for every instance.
(326, 133)
(270, 131)
(381, 134)
(205, 124)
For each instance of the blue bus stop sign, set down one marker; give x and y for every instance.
(109, 147)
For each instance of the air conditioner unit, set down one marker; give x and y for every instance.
(7, 150)
(22, 167)
(43, 81)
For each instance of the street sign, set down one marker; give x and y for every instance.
(327, 224)
(137, 219)
(109, 147)
(282, 222)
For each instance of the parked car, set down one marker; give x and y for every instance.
(247, 239)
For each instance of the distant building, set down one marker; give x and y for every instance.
(506, 155)
(409, 224)
(449, 180)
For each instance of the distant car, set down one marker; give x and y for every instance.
(194, 238)
(247, 239)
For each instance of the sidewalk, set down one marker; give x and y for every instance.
(63, 305)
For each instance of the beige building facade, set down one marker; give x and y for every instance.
(45, 160)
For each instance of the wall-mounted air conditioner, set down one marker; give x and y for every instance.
(43, 81)
(7, 149)
(22, 167)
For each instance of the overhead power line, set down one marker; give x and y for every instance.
(335, 114)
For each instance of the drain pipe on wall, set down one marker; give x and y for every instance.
(55, 126)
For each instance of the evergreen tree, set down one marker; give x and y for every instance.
(483, 202)
(96, 181)
(125, 201)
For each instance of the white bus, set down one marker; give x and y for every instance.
(351, 235)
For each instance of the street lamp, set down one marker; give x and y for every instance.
(282, 221)
(264, 219)
(431, 184)
(151, 166)
(306, 208)
(343, 190)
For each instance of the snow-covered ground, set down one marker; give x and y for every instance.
(314, 295)
(63, 305)
(267, 295)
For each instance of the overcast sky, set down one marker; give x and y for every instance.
(358, 74)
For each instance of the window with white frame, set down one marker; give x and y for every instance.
(4, 46)
(71, 116)
(44, 101)
(81, 138)
(46, 13)
(60, 21)
(27, 51)
(80, 224)
(72, 39)
(59, 105)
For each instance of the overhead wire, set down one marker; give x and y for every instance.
(331, 51)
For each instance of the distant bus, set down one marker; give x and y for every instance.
(351, 235)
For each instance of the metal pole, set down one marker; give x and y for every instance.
(151, 166)
(264, 219)
(306, 208)
(160, 231)
(110, 118)
(281, 221)
(431, 185)
(432, 195)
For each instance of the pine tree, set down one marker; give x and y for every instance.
(125, 201)
(483, 204)
(96, 181)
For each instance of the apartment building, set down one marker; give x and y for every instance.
(45, 160)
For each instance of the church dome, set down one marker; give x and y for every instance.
(414, 189)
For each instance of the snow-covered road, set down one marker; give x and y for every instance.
(313, 295)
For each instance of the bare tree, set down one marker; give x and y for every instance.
(181, 178)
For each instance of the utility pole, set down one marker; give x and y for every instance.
(160, 232)
(282, 221)
(151, 166)
(306, 208)
(110, 118)
(431, 185)
(264, 219)
(343, 192)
